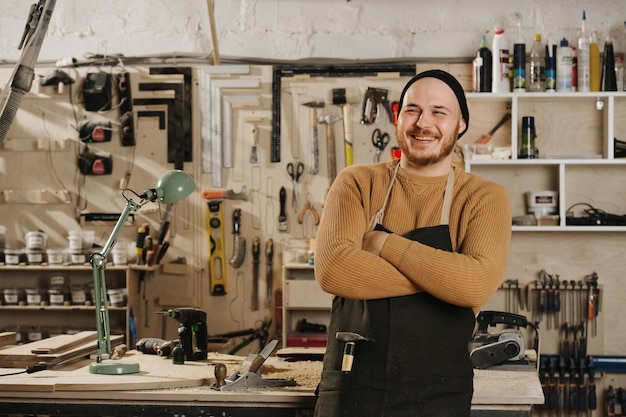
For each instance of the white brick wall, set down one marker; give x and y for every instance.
(301, 29)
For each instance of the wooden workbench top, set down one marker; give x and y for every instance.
(159, 379)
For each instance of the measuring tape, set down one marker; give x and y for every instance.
(217, 264)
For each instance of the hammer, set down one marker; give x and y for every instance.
(345, 97)
(328, 120)
(350, 339)
(313, 106)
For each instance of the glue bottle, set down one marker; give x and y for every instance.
(584, 64)
(564, 62)
(500, 72)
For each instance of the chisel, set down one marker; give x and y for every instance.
(269, 262)
(256, 252)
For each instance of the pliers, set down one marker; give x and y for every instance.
(308, 206)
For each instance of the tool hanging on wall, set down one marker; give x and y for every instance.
(345, 98)
(217, 264)
(269, 265)
(239, 243)
(256, 253)
(254, 152)
(380, 141)
(374, 99)
(125, 107)
(329, 120)
(295, 173)
(283, 225)
(309, 207)
(314, 143)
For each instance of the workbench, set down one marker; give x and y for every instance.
(165, 389)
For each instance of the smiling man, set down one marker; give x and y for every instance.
(411, 249)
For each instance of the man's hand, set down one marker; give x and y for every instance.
(373, 241)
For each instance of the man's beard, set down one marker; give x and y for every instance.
(424, 160)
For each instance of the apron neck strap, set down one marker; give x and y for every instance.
(378, 217)
(445, 210)
(447, 198)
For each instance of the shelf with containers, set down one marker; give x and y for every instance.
(577, 157)
(40, 301)
(306, 308)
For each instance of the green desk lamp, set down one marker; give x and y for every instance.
(172, 186)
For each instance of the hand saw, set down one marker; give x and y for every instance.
(217, 264)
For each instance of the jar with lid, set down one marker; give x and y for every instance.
(35, 297)
(59, 295)
(36, 240)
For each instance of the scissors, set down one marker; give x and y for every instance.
(295, 174)
(380, 141)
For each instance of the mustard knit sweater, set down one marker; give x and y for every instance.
(480, 230)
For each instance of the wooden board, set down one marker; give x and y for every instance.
(155, 373)
(63, 342)
(8, 338)
(21, 356)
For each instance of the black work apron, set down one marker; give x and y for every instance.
(416, 362)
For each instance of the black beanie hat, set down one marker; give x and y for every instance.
(454, 85)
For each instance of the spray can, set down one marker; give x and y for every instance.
(483, 66)
(527, 144)
(500, 73)
(564, 62)
(519, 64)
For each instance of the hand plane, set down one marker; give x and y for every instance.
(489, 349)
(249, 376)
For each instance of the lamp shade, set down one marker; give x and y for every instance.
(174, 186)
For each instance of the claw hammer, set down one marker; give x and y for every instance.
(350, 339)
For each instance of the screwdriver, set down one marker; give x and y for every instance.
(593, 401)
(552, 394)
(565, 352)
(582, 391)
(611, 401)
(573, 401)
(557, 301)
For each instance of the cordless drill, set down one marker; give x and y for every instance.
(192, 321)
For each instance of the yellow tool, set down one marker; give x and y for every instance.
(217, 264)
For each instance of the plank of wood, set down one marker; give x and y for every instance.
(60, 343)
(22, 357)
(155, 373)
(8, 338)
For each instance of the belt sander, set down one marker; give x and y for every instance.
(494, 348)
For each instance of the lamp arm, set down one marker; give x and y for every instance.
(98, 261)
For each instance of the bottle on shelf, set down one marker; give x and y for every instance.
(564, 57)
(536, 80)
(584, 65)
(550, 67)
(519, 59)
(595, 64)
(619, 71)
(527, 144)
(609, 82)
(500, 72)
(483, 66)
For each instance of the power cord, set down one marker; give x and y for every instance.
(30, 370)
